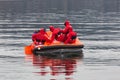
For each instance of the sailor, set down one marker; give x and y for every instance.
(41, 31)
(61, 37)
(55, 33)
(71, 37)
(67, 28)
(40, 37)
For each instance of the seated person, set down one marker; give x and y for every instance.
(55, 33)
(67, 28)
(61, 37)
(40, 37)
(71, 37)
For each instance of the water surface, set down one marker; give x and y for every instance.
(99, 30)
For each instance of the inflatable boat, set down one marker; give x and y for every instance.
(56, 49)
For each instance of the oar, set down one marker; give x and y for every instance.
(28, 50)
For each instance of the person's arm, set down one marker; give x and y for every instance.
(65, 30)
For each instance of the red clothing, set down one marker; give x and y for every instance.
(67, 23)
(34, 36)
(51, 28)
(61, 37)
(71, 37)
(42, 31)
(67, 28)
(55, 32)
(42, 38)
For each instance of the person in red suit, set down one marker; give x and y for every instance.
(55, 32)
(61, 37)
(43, 31)
(71, 37)
(67, 28)
(40, 37)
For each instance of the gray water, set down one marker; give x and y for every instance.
(101, 58)
(98, 28)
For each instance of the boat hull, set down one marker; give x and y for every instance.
(59, 50)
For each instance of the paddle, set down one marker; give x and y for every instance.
(28, 50)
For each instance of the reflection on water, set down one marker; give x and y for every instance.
(54, 66)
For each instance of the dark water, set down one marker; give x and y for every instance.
(98, 30)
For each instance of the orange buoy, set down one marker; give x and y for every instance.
(28, 50)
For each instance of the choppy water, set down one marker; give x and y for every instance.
(101, 60)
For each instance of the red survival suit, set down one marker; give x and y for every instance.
(71, 37)
(40, 37)
(55, 33)
(67, 28)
